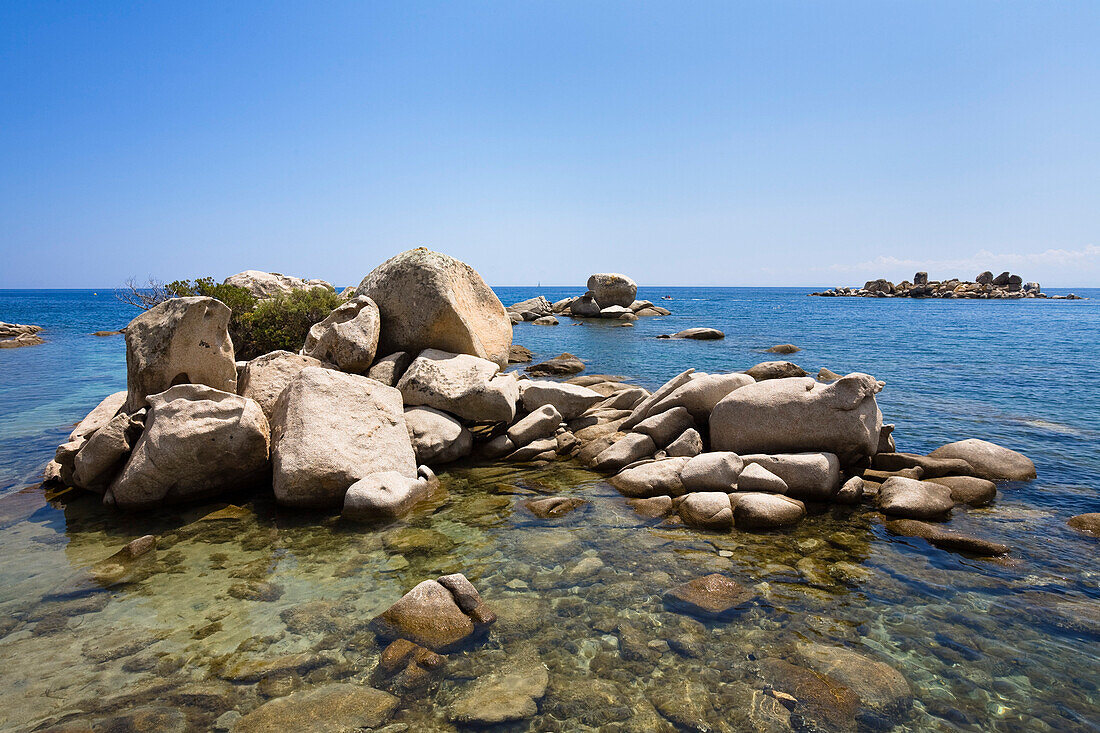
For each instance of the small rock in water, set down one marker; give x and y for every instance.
(560, 366)
(946, 539)
(553, 506)
(519, 354)
(1087, 523)
(507, 694)
(783, 349)
(711, 596)
(698, 334)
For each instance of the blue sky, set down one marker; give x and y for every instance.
(684, 143)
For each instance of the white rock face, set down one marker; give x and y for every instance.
(753, 510)
(264, 378)
(813, 476)
(100, 415)
(179, 341)
(330, 429)
(348, 337)
(387, 495)
(436, 436)
(463, 385)
(101, 458)
(701, 393)
(800, 414)
(269, 284)
(757, 478)
(665, 426)
(611, 288)
(717, 471)
(431, 301)
(569, 400)
(199, 443)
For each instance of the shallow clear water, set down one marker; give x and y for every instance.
(984, 645)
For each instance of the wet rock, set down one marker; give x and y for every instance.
(707, 510)
(652, 508)
(409, 666)
(800, 414)
(989, 460)
(519, 354)
(663, 427)
(560, 366)
(179, 341)
(416, 541)
(969, 489)
(591, 702)
(1087, 523)
(264, 378)
(689, 444)
(810, 476)
(912, 499)
(256, 590)
(716, 471)
(568, 399)
(634, 644)
(878, 685)
(818, 697)
(553, 507)
(851, 492)
(775, 370)
(460, 384)
(388, 369)
(430, 615)
(331, 429)
(655, 478)
(334, 708)
(946, 539)
(254, 670)
(505, 695)
(436, 437)
(930, 467)
(755, 477)
(755, 510)
(387, 494)
(698, 334)
(711, 596)
(686, 704)
(319, 617)
(198, 443)
(540, 423)
(428, 300)
(783, 349)
(122, 566)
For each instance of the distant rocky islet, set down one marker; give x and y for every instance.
(983, 287)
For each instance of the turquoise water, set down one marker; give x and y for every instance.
(984, 645)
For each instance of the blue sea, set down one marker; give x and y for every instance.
(983, 645)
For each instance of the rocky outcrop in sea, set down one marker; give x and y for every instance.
(609, 295)
(14, 335)
(983, 287)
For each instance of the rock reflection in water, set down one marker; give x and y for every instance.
(244, 605)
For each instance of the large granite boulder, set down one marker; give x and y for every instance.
(624, 451)
(569, 400)
(388, 369)
(610, 288)
(264, 378)
(754, 510)
(812, 476)
(585, 306)
(199, 442)
(387, 494)
(269, 284)
(717, 471)
(436, 436)
(463, 385)
(330, 429)
(179, 341)
(347, 337)
(437, 614)
(100, 415)
(707, 510)
(664, 427)
(542, 422)
(431, 301)
(655, 478)
(969, 490)
(700, 394)
(800, 414)
(989, 460)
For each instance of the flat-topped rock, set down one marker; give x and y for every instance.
(711, 596)
(946, 539)
(697, 334)
(913, 499)
(989, 460)
(333, 708)
(560, 366)
(463, 385)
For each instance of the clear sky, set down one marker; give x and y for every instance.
(683, 143)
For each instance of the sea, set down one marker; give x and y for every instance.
(1004, 644)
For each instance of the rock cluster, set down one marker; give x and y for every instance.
(609, 295)
(14, 335)
(985, 287)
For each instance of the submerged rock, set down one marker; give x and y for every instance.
(1087, 523)
(946, 539)
(333, 708)
(711, 596)
(431, 615)
(989, 460)
(179, 341)
(507, 694)
(819, 697)
(428, 300)
(552, 507)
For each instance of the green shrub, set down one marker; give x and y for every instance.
(259, 326)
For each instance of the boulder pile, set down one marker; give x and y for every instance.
(407, 375)
(14, 335)
(610, 295)
(983, 287)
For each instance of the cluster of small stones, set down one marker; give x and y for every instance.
(984, 287)
(610, 295)
(14, 335)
